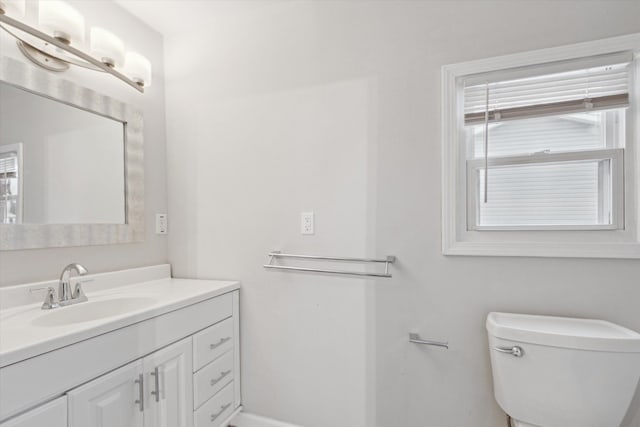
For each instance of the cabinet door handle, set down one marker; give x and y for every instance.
(156, 378)
(222, 375)
(222, 409)
(219, 343)
(140, 401)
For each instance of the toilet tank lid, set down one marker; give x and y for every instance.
(565, 332)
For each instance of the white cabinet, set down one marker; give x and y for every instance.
(52, 414)
(170, 386)
(216, 409)
(174, 370)
(112, 400)
(156, 391)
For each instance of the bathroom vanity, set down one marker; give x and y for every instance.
(145, 350)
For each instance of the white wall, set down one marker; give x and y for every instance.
(242, 170)
(334, 107)
(24, 266)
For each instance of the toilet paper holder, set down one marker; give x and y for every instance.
(415, 338)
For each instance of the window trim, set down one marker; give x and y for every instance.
(457, 240)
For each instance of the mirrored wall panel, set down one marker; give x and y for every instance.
(59, 164)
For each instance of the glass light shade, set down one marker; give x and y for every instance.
(13, 8)
(138, 68)
(61, 21)
(107, 47)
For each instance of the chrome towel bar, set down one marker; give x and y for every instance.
(415, 338)
(276, 254)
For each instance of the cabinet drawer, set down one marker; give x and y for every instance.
(212, 343)
(52, 414)
(217, 409)
(212, 378)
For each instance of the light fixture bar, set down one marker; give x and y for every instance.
(4, 19)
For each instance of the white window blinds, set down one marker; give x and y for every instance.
(558, 88)
(562, 194)
(8, 165)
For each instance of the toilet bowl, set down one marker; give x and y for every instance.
(563, 372)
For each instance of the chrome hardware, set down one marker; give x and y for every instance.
(222, 409)
(276, 254)
(140, 400)
(50, 300)
(415, 338)
(78, 293)
(220, 378)
(64, 285)
(219, 343)
(53, 48)
(156, 376)
(547, 151)
(515, 351)
(65, 296)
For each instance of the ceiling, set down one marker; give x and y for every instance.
(172, 16)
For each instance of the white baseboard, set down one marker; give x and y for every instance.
(244, 419)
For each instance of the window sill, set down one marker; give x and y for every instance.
(545, 250)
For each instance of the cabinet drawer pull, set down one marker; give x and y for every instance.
(140, 400)
(156, 376)
(219, 343)
(222, 375)
(222, 409)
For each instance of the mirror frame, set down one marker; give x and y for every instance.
(32, 236)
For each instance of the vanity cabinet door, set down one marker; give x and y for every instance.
(52, 414)
(112, 400)
(169, 379)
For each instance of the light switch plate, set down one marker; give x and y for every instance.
(162, 224)
(307, 223)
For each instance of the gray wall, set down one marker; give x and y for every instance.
(24, 266)
(335, 107)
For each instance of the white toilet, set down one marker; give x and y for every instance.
(564, 372)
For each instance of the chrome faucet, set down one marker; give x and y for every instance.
(64, 285)
(65, 297)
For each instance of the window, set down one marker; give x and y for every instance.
(10, 184)
(540, 153)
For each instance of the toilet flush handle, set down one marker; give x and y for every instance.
(516, 350)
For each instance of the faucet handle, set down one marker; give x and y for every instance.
(78, 292)
(50, 300)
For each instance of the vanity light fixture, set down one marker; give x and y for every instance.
(62, 21)
(12, 7)
(138, 68)
(107, 47)
(58, 41)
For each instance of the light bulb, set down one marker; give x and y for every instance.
(62, 21)
(12, 8)
(138, 68)
(107, 47)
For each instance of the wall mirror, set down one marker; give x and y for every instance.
(71, 166)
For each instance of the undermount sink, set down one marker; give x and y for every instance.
(92, 310)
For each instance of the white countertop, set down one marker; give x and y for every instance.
(27, 331)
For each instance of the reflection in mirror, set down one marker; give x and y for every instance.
(59, 164)
(10, 184)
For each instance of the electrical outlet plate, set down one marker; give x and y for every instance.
(162, 224)
(307, 223)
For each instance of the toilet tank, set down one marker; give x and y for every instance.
(569, 373)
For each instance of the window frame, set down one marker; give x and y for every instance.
(615, 155)
(621, 241)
